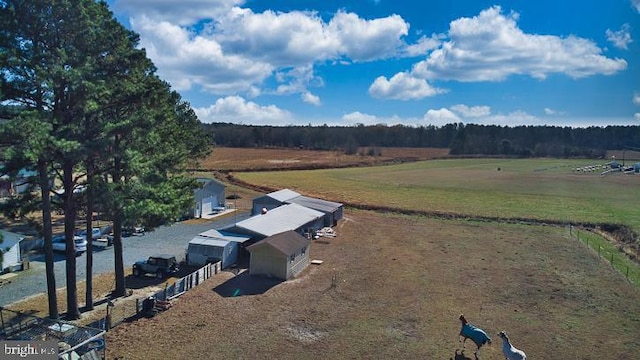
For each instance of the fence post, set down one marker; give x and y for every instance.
(612, 259)
(166, 285)
(599, 250)
(627, 275)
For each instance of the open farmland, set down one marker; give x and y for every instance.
(538, 189)
(250, 159)
(392, 287)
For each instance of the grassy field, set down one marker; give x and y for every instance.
(541, 189)
(392, 287)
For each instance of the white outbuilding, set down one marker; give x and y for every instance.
(10, 248)
(209, 197)
(214, 245)
(332, 211)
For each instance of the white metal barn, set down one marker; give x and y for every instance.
(213, 246)
(209, 197)
(10, 248)
(272, 200)
(333, 211)
(280, 219)
(284, 255)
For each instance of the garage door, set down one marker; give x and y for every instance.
(208, 204)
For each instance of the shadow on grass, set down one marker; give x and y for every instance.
(245, 284)
(459, 355)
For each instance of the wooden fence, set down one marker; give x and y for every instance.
(122, 311)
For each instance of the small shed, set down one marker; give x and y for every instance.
(10, 248)
(209, 197)
(284, 255)
(202, 250)
(213, 246)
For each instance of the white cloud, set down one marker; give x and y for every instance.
(636, 4)
(191, 11)
(310, 98)
(440, 117)
(552, 112)
(363, 40)
(473, 112)
(402, 86)
(235, 109)
(186, 60)
(237, 50)
(636, 97)
(423, 45)
(491, 47)
(636, 116)
(513, 119)
(621, 38)
(357, 117)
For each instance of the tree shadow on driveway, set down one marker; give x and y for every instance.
(244, 284)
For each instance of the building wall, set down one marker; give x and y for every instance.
(264, 202)
(10, 257)
(268, 262)
(199, 254)
(300, 262)
(209, 189)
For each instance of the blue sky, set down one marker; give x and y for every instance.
(299, 62)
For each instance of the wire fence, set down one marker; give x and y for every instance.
(615, 256)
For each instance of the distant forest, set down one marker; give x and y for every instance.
(461, 139)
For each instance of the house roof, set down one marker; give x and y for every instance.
(287, 243)
(224, 235)
(316, 204)
(283, 195)
(281, 219)
(205, 181)
(9, 239)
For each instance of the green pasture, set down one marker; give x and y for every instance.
(540, 189)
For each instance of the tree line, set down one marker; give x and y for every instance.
(461, 139)
(84, 111)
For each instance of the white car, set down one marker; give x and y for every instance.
(59, 244)
(96, 233)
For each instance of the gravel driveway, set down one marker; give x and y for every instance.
(167, 239)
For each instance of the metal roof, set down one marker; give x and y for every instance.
(283, 195)
(224, 235)
(9, 239)
(281, 219)
(316, 204)
(288, 242)
(199, 240)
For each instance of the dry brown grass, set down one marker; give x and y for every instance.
(236, 159)
(400, 283)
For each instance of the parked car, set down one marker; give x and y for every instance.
(133, 230)
(59, 244)
(95, 233)
(161, 265)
